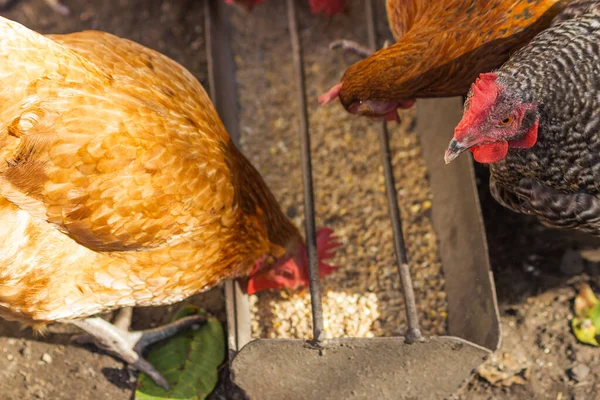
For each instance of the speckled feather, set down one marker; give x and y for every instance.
(443, 45)
(120, 184)
(559, 178)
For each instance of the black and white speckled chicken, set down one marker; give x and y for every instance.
(536, 121)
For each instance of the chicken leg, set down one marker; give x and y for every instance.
(56, 5)
(123, 318)
(116, 339)
(354, 47)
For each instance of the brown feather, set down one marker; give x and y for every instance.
(442, 46)
(120, 185)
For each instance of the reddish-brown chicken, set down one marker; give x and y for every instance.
(119, 186)
(442, 46)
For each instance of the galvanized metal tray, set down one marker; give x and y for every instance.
(407, 367)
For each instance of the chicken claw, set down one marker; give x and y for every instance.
(353, 47)
(58, 7)
(130, 345)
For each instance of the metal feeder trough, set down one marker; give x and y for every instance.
(406, 367)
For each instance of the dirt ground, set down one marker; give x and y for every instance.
(534, 292)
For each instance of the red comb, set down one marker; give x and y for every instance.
(329, 7)
(328, 97)
(484, 83)
(327, 242)
(294, 272)
(485, 92)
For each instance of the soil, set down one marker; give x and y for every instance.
(535, 292)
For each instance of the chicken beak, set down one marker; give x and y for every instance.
(453, 151)
(364, 108)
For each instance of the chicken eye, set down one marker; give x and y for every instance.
(507, 121)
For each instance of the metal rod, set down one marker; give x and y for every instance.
(413, 332)
(309, 208)
(222, 90)
(221, 67)
(208, 27)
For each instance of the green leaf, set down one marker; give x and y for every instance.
(584, 331)
(586, 324)
(189, 361)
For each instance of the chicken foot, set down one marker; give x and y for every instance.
(123, 318)
(56, 5)
(354, 47)
(117, 340)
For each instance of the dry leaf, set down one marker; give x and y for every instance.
(505, 371)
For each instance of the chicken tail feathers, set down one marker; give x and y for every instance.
(577, 8)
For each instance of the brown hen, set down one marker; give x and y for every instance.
(442, 46)
(120, 187)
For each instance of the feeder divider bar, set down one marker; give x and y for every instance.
(309, 207)
(223, 93)
(413, 332)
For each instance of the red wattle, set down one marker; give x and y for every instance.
(528, 141)
(391, 115)
(406, 104)
(490, 153)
